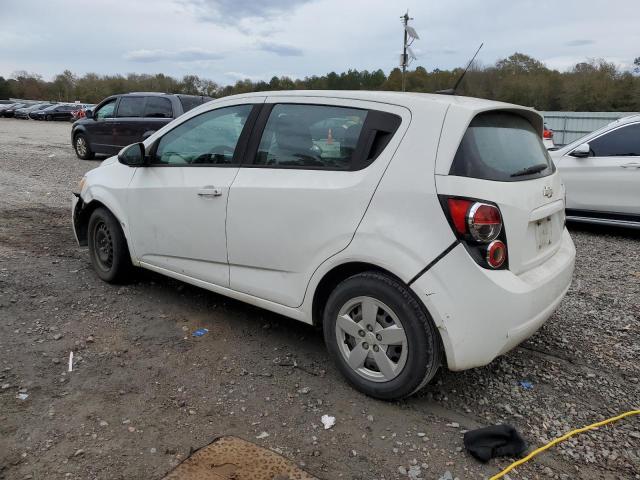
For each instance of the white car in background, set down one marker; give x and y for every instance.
(601, 173)
(431, 229)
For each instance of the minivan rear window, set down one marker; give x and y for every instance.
(192, 101)
(501, 146)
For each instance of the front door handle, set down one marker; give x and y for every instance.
(209, 191)
(631, 165)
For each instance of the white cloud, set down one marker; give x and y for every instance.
(190, 54)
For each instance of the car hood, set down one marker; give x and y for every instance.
(109, 161)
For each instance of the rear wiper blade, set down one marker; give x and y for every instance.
(531, 170)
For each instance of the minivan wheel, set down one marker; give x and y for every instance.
(108, 249)
(380, 338)
(81, 146)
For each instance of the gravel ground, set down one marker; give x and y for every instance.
(144, 392)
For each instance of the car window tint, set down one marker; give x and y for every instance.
(106, 110)
(158, 107)
(310, 136)
(501, 146)
(209, 138)
(131, 107)
(623, 142)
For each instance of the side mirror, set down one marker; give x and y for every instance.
(133, 155)
(581, 151)
(147, 134)
(88, 114)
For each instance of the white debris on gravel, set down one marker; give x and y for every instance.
(328, 421)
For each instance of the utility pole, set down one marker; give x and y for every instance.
(407, 53)
(405, 20)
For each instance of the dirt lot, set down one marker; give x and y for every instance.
(144, 392)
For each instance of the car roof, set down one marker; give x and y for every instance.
(410, 100)
(398, 98)
(151, 94)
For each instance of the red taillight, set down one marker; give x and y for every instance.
(496, 254)
(484, 222)
(478, 226)
(458, 209)
(547, 133)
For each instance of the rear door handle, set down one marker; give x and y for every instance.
(210, 191)
(631, 165)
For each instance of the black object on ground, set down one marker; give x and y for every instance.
(494, 441)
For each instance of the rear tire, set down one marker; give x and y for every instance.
(380, 337)
(48, 118)
(108, 247)
(82, 148)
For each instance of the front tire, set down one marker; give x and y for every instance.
(108, 249)
(379, 336)
(48, 118)
(82, 148)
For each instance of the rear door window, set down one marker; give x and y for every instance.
(310, 136)
(501, 146)
(623, 142)
(131, 107)
(158, 107)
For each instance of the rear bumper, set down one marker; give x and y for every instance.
(482, 314)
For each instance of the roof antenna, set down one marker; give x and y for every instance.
(452, 91)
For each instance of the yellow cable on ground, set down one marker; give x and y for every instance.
(560, 439)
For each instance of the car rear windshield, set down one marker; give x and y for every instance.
(192, 101)
(501, 146)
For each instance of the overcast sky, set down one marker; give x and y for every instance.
(225, 40)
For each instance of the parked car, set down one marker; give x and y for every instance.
(5, 106)
(456, 254)
(55, 112)
(601, 172)
(25, 112)
(121, 120)
(11, 109)
(34, 114)
(547, 138)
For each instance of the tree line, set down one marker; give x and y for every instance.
(593, 85)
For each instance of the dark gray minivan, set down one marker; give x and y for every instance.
(121, 120)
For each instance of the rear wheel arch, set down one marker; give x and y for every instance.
(331, 279)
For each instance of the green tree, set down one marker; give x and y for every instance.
(5, 89)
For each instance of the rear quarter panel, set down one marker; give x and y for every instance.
(404, 227)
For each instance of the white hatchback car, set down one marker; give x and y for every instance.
(413, 228)
(601, 172)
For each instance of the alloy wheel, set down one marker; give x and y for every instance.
(81, 145)
(371, 339)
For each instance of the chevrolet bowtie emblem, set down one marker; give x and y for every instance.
(547, 192)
